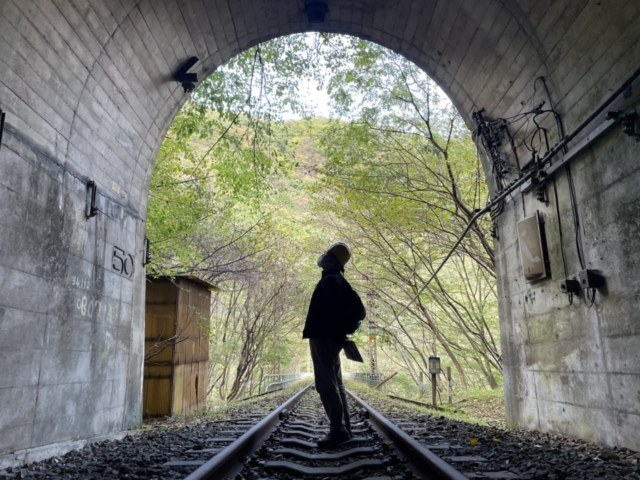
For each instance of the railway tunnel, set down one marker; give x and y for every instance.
(88, 92)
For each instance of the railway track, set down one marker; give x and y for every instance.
(282, 445)
(172, 452)
(222, 439)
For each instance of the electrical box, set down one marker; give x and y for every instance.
(434, 365)
(533, 248)
(590, 279)
(570, 285)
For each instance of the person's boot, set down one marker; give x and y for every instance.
(347, 427)
(333, 439)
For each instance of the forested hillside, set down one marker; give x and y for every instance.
(247, 200)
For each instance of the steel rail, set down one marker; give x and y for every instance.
(415, 402)
(423, 459)
(225, 461)
(257, 395)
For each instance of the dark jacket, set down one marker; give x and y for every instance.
(327, 304)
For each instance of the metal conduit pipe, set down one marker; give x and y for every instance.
(526, 177)
(563, 143)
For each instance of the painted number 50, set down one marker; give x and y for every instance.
(123, 262)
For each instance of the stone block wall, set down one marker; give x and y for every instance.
(71, 329)
(574, 368)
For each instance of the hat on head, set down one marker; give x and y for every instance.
(340, 251)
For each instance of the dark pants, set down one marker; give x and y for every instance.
(325, 354)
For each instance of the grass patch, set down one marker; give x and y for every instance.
(482, 407)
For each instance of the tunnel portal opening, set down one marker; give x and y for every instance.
(88, 93)
(394, 156)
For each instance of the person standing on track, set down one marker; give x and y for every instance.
(326, 329)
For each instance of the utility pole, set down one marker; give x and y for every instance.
(373, 329)
(373, 349)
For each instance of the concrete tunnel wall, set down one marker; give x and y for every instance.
(87, 88)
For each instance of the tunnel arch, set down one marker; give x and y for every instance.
(88, 92)
(499, 31)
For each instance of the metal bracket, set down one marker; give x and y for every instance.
(146, 260)
(541, 193)
(92, 192)
(629, 120)
(2, 117)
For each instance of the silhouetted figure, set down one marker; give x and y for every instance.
(325, 329)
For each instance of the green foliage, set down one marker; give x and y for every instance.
(247, 200)
(479, 406)
(405, 181)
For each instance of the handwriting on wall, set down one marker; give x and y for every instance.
(95, 309)
(80, 282)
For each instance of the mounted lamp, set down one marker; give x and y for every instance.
(186, 79)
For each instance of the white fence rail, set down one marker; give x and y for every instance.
(371, 379)
(276, 382)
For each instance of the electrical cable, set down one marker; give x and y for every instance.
(564, 261)
(560, 146)
(590, 294)
(572, 193)
(557, 116)
(513, 149)
(576, 217)
(574, 209)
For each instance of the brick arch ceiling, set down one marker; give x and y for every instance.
(481, 52)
